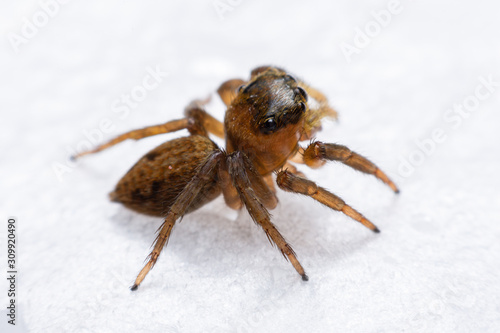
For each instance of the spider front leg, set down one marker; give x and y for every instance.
(291, 183)
(318, 152)
(197, 121)
(239, 171)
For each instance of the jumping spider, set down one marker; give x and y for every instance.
(266, 118)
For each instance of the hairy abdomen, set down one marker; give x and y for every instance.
(154, 182)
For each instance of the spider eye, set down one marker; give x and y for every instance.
(301, 91)
(269, 126)
(303, 106)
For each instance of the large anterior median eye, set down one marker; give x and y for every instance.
(269, 126)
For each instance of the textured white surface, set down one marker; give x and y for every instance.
(436, 265)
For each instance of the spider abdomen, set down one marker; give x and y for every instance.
(154, 182)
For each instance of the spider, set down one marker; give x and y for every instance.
(266, 119)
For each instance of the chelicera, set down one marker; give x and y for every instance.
(266, 119)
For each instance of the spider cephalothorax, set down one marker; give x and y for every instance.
(266, 119)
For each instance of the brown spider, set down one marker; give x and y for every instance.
(266, 118)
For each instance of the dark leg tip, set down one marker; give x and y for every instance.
(305, 277)
(376, 230)
(134, 287)
(72, 158)
(397, 191)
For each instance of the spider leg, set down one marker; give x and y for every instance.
(200, 122)
(263, 186)
(237, 167)
(291, 183)
(324, 109)
(270, 182)
(228, 90)
(206, 174)
(197, 121)
(316, 154)
(259, 185)
(138, 134)
(293, 169)
(229, 192)
(318, 109)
